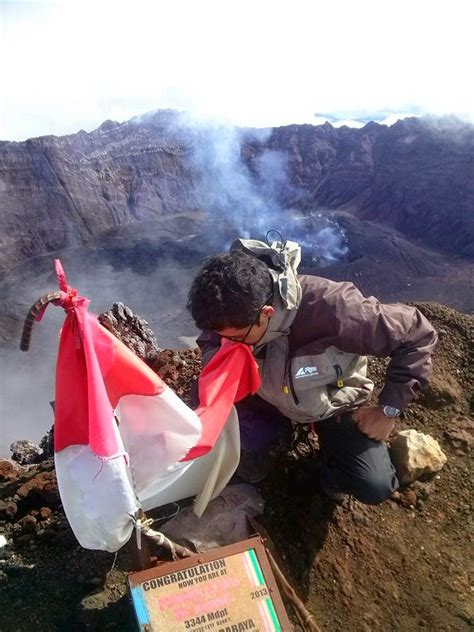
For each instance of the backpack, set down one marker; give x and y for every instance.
(282, 259)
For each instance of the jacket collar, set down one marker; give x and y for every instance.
(285, 308)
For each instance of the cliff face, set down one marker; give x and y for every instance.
(59, 192)
(416, 176)
(56, 192)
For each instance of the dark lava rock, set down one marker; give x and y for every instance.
(25, 538)
(28, 524)
(41, 489)
(45, 513)
(408, 498)
(47, 444)
(179, 370)
(26, 452)
(132, 330)
(8, 509)
(9, 471)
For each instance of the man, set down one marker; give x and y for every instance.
(310, 337)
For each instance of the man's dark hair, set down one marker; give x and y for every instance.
(229, 290)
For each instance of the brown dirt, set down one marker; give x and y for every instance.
(404, 565)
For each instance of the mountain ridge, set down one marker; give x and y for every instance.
(62, 191)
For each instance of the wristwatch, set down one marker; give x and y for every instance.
(391, 411)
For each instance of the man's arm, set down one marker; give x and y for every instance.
(368, 327)
(365, 326)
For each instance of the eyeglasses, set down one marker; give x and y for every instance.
(255, 322)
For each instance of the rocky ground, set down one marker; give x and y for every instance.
(404, 565)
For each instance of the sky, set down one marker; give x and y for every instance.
(70, 65)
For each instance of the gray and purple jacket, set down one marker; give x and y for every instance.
(312, 358)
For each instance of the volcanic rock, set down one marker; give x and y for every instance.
(461, 435)
(16, 476)
(28, 524)
(45, 513)
(179, 370)
(415, 454)
(9, 471)
(47, 444)
(407, 498)
(8, 509)
(25, 538)
(26, 452)
(41, 489)
(132, 330)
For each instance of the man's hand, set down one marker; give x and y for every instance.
(373, 423)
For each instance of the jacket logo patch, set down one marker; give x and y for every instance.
(306, 371)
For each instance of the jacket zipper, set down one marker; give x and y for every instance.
(340, 381)
(292, 386)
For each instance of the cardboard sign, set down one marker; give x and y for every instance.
(229, 589)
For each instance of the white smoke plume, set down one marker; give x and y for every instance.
(250, 194)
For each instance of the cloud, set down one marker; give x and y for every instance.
(74, 64)
(338, 122)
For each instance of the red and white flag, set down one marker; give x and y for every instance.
(123, 439)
